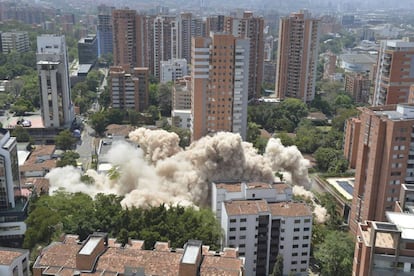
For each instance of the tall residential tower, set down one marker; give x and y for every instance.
(220, 81)
(382, 142)
(297, 56)
(395, 72)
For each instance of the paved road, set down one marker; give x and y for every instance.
(85, 147)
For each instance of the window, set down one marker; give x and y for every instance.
(304, 253)
(233, 220)
(232, 238)
(242, 237)
(242, 228)
(294, 254)
(243, 220)
(294, 262)
(232, 229)
(305, 245)
(303, 262)
(306, 229)
(307, 220)
(295, 238)
(297, 220)
(296, 230)
(295, 246)
(242, 245)
(306, 237)
(281, 247)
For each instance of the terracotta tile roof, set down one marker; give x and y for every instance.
(60, 258)
(8, 255)
(59, 255)
(154, 262)
(280, 187)
(258, 185)
(230, 187)
(245, 207)
(41, 150)
(40, 184)
(290, 209)
(38, 166)
(119, 130)
(215, 265)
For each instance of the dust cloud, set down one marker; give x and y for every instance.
(159, 171)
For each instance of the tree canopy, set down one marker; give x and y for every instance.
(65, 140)
(335, 254)
(63, 212)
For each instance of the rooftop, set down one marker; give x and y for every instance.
(8, 255)
(359, 58)
(404, 223)
(162, 260)
(290, 209)
(229, 187)
(246, 207)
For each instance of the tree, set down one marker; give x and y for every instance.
(98, 122)
(93, 79)
(278, 266)
(253, 132)
(68, 158)
(294, 109)
(21, 106)
(123, 237)
(104, 99)
(165, 98)
(335, 254)
(21, 134)
(115, 115)
(338, 122)
(330, 160)
(65, 140)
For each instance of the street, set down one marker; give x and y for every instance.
(85, 147)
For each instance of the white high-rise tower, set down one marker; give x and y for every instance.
(53, 70)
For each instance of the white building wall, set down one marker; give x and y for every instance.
(173, 69)
(241, 87)
(241, 232)
(51, 51)
(295, 239)
(184, 117)
(20, 266)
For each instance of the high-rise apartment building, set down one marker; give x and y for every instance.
(124, 37)
(297, 56)
(53, 70)
(161, 42)
(13, 206)
(88, 50)
(181, 103)
(395, 72)
(220, 76)
(215, 24)
(386, 248)
(130, 38)
(14, 41)
(384, 160)
(129, 88)
(252, 28)
(104, 30)
(263, 230)
(261, 220)
(358, 86)
(188, 26)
